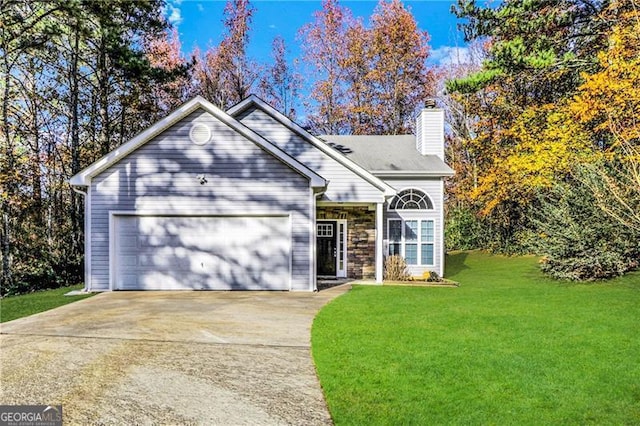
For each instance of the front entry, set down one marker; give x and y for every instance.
(331, 243)
(327, 248)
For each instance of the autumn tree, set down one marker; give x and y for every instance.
(399, 73)
(70, 71)
(209, 68)
(323, 45)
(360, 110)
(536, 52)
(368, 79)
(280, 84)
(224, 74)
(607, 106)
(163, 52)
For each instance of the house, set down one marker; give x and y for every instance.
(247, 199)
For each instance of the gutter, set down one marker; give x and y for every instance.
(410, 174)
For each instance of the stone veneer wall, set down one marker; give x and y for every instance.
(361, 238)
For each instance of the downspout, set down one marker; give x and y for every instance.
(84, 194)
(317, 193)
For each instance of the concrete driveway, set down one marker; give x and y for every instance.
(169, 358)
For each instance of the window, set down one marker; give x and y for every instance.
(427, 241)
(412, 239)
(325, 230)
(395, 237)
(411, 242)
(411, 199)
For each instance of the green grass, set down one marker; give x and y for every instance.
(14, 307)
(507, 347)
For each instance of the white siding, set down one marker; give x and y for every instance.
(435, 189)
(163, 176)
(344, 184)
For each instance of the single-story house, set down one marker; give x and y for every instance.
(247, 199)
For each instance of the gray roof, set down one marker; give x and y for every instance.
(388, 155)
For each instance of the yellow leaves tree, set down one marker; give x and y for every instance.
(609, 100)
(545, 143)
(609, 103)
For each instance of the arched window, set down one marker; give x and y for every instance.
(411, 199)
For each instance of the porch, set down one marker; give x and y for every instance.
(347, 245)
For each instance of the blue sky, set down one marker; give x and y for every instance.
(199, 23)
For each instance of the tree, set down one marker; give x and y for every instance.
(280, 85)
(25, 28)
(398, 72)
(361, 114)
(324, 47)
(578, 240)
(535, 54)
(224, 74)
(163, 51)
(368, 80)
(607, 105)
(208, 71)
(70, 75)
(242, 73)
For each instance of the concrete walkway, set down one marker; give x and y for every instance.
(227, 358)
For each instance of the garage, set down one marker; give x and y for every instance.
(158, 252)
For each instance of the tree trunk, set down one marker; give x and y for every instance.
(9, 164)
(75, 205)
(103, 90)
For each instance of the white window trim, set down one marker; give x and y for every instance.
(432, 209)
(419, 241)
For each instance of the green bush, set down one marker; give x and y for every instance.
(463, 230)
(579, 241)
(42, 271)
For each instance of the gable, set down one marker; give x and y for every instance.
(170, 164)
(84, 177)
(346, 184)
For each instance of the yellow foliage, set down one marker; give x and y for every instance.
(546, 142)
(609, 100)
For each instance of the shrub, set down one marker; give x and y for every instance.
(579, 241)
(395, 268)
(463, 230)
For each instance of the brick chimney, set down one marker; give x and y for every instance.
(430, 130)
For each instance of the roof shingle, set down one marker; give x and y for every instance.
(387, 154)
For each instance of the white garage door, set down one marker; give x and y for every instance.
(202, 253)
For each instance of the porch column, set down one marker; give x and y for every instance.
(379, 236)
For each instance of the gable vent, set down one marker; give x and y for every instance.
(200, 134)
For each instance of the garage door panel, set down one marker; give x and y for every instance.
(221, 253)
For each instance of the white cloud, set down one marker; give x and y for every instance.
(172, 12)
(273, 26)
(447, 55)
(200, 7)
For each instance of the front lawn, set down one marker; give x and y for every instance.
(14, 307)
(508, 346)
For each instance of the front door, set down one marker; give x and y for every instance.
(327, 249)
